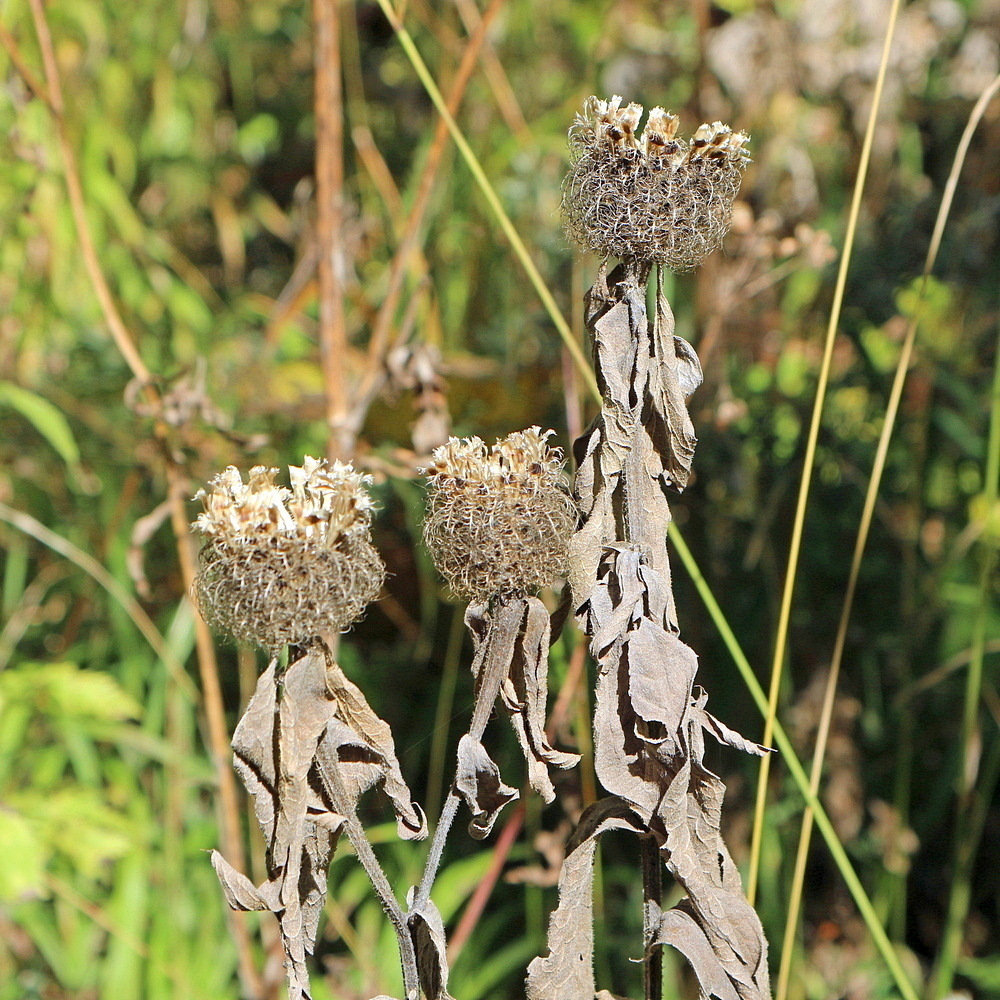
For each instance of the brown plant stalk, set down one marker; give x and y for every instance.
(332, 262)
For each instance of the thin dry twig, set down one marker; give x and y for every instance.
(177, 486)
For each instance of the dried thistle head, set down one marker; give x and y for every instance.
(283, 565)
(654, 197)
(498, 520)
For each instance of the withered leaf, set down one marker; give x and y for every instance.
(622, 479)
(645, 675)
(241, 893)
(680, 931)
(676, 374)
(275, 746)
(661, 669)
(697, 857)
(725, 735)
(524, 695)
(567, 972)
(366, 753)
(296, 729)
(478, 782)
(431, 947)
(511, 660)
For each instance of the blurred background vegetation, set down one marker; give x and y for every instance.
(191, 130)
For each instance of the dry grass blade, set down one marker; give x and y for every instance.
(330, 224)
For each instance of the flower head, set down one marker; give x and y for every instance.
(498, 519)
(282, 565)
(654, 197)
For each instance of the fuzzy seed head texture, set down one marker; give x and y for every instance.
(656, 197)
(499, 519)
(281, 566)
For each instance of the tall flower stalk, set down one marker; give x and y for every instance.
(498, 527)
(286, 566)
(653, 200)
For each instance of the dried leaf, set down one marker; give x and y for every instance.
(621, 480)
(676, 375)
(661, 669)
(525, 693)
(680, 931)
(567, 972)
(241, 893)
(296, 729)
(367, 754)
(697, 857)
(431, 946)
(478, 782)
(511, 651)
(644, 680)
(649, 721)
(721, 732)
(275, 745)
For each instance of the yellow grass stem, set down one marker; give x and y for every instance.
(892, 409)
(781, 640)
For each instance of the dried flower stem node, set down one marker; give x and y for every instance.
(498, 519)
(653, 197)
(282, 565)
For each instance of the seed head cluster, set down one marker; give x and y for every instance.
(498, 520)
(655, 197)
(282, 565)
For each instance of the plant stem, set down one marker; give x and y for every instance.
(334, 785)
(330, 224)
(652, 896)
(490, 669)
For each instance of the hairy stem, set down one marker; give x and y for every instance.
(652, 895)
(490, 671)
(334, 786)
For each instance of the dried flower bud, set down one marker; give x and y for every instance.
(498, 520)
(656, 198)
(283, 565)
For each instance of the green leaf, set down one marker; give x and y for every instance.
(46, 418)
(64, 690)
(22, 861)
(78, 824)
(984, 973)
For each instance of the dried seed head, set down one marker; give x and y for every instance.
(653, 198)
(282, 565)
(498, 520)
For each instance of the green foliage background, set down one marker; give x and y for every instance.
(194, 132)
